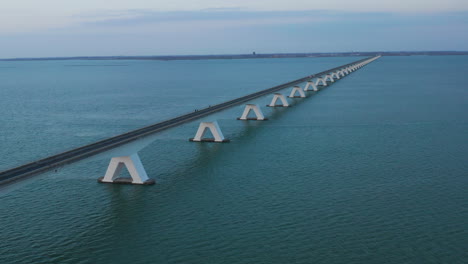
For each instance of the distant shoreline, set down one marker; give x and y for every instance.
(247, 56)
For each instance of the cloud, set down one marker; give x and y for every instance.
(141, 20)
(32, 16)
(186, 21)
(235, 30)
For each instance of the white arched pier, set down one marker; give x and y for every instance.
(215, 131)
(134, 166)
(310, 84)
(321, 81)
(335, 75)
(281, 97)
(257, 111)
(329, 77)
(297, 89)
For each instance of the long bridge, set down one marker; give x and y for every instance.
(133, 163)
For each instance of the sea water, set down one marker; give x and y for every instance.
(372, 169)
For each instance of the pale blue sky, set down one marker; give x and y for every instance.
(30, 28)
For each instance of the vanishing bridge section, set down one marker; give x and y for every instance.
(133, 163)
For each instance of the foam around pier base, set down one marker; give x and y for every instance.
(127, 181)
(279, 105)
(253, 118)
(209, 140)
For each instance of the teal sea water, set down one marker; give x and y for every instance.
(373, 169)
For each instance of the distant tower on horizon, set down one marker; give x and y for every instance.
(253, 53)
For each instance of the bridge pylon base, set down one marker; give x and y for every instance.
(134, 166)
(311, 84)
(214, 129)
(281, 98)
(329, 77)
(297, 89)
(127, 181)
(257, 111)
(321, 82)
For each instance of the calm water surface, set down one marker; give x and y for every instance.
(373, 169)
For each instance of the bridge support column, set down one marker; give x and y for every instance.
(321, 80)
(134, 167)
(215, 130)
(309, 84)
(252, 107)
(275, 98)
(329, 77)
(297, 89)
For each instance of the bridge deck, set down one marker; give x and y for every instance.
(115, 141)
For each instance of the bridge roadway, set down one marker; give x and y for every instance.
(86, 151)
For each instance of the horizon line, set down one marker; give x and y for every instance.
(243, 55)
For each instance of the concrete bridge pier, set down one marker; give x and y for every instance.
(215, 131)
(256, 109)
(297, 89)
(329, 77)
(281, 97)
(335, 75)
(134, 166)
(310, 84)
(320, 81)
